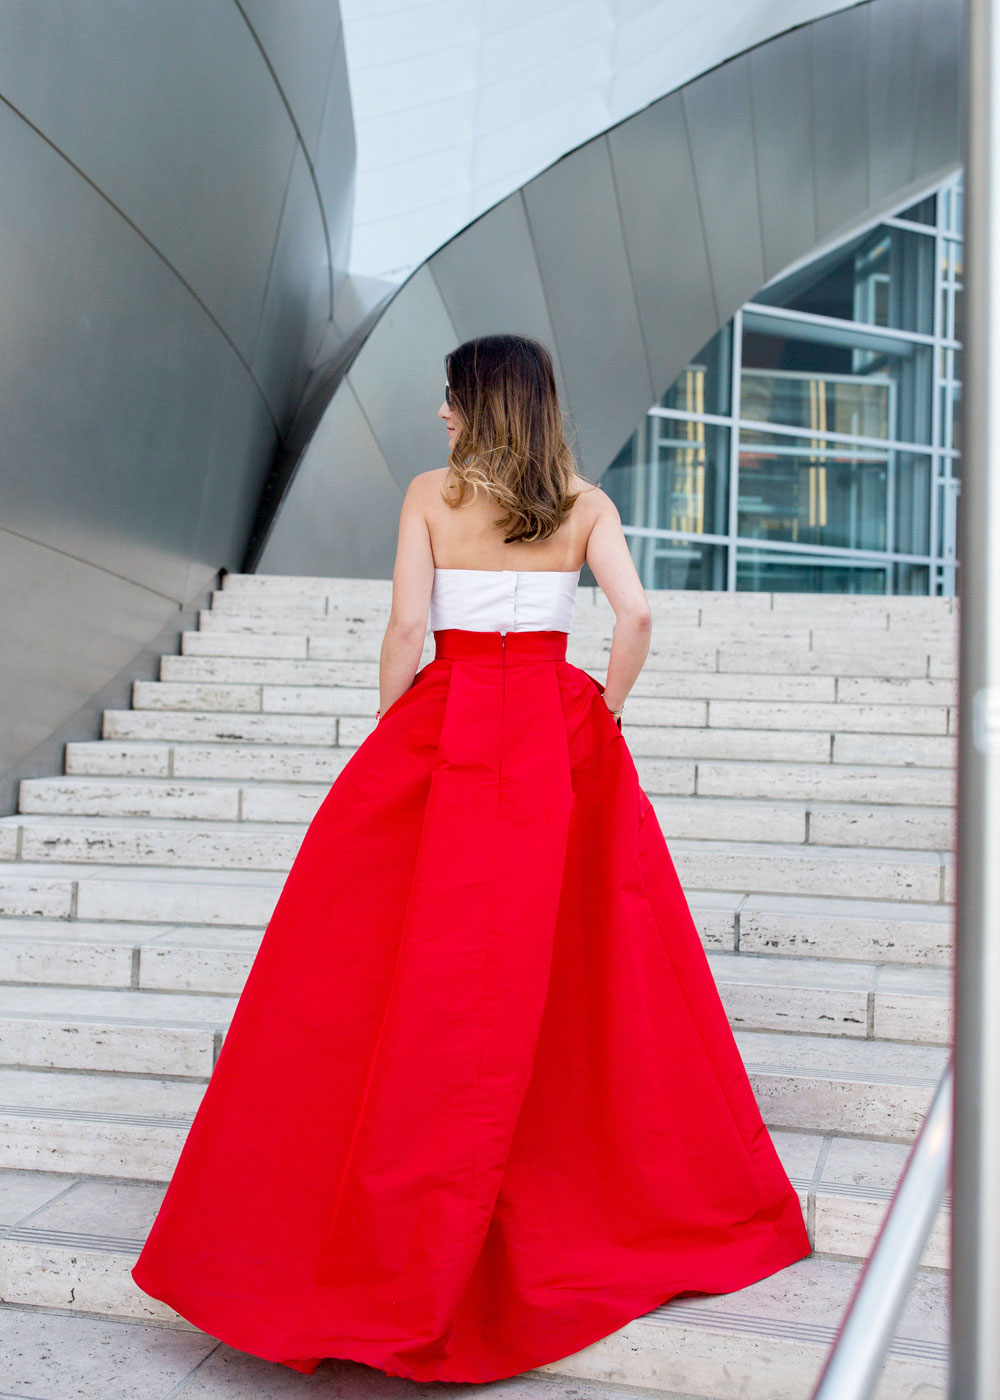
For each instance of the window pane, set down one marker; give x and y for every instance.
(911, 578)
(924, 212)
(678, 563)
(757, 571)
(884, 277)
(706, 384)
(803, 491)
(673, 475)
(834, 380)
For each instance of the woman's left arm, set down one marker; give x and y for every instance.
(412, 580)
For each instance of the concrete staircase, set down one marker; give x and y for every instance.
(799, 750)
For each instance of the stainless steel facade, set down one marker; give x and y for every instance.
(175, 203)
(630, 252)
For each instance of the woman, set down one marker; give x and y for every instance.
(479, 1104)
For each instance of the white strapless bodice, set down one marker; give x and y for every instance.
(504, 600)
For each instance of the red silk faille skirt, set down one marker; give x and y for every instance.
(479, 1104)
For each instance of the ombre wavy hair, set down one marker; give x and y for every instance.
(510, 441)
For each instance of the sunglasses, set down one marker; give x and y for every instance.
(447, 393)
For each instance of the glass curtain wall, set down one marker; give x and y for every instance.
(811, 445)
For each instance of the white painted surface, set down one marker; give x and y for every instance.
(457, 103)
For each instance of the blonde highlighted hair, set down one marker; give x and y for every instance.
(510, 441)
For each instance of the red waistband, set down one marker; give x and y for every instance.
(462, 644)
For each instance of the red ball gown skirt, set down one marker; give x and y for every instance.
(479, 1104)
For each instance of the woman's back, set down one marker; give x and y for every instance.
(466, 537)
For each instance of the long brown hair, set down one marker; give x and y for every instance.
(510, 441)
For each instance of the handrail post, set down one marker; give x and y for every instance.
(975, 1322)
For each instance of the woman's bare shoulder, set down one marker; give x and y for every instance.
(592, 497)
(426, 481)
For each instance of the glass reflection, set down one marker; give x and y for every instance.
(822, 420)
(884, 277)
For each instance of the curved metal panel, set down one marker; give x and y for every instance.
(164, 279)
(840, 116)
(579, 243)
(334, 160)
(299, 38)
(110, 376)
(345, 517)
(720, 131)
(398, 377)
(150, 83)
(65, 627)
(240, 450)
(940, 105)
(781, 93)
(892, 97)
(659, 211)
(512, 297)
(297, 304)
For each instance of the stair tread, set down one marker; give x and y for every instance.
(760, 969)
(839, 906)
(771, 849)
(833, 1057)
(801, 1304)
(139, 1007)
(161, 783)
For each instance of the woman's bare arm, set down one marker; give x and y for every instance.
(614, 569)
(412, 580)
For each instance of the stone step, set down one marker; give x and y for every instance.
(775, 867)
(844, 1184)
(79, 1239)
(161, 1360)
(264, 670)
(853, 783)
(768, 1342)
(98, 1124)
(674, 602)
(834, 625)
(226, 727)
(244, 655)
(854, 606)
(863, 1088)
(220, 728)
(698, 649)
(322, 763)
(838, 626)
(684, 812)
(809, 1082)
(849, 1191)
(810, 926)
(932, 674)
(171, 958)
(852, 929)
(142, 895)
(58, 1121)
(113, 1030)
(832, 717)
(760, 992)
(821, 996)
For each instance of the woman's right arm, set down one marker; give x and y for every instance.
(614, 569)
